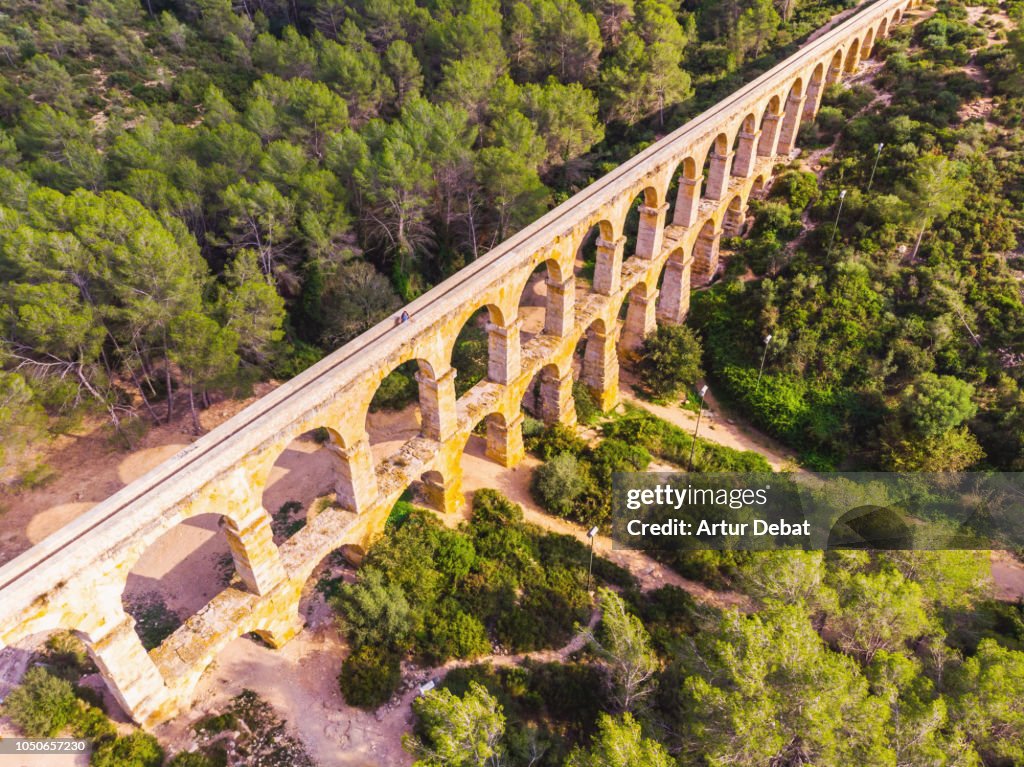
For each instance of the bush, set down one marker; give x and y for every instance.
(555, 440)
(139, 749)
(453, 633)
(559, 482)
(397, 390)
(670, 360)
(369, 677)
(42, 705)
(587, 410)
(799, 187)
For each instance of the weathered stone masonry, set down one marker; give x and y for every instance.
(75, 578)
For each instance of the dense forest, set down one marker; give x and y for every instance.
(200, 193)
(896, 313)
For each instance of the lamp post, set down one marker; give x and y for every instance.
(591, 534)
(760, 372)
(700, 411)
(832, 239)
(875, 166)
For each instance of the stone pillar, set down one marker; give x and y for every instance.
(356, 488)
(444, 491)
(687, 202)
(718, 175)
(284, 626)
(503, 352)
(437, 405)
(651, 232)
(705, 253)
(556, 402)
(790, 124)
(675, 292)
(608, 271)
(505, 440)
(560, 313)
(769, 143)
(257, 559)
(734, 220)
(746, 153)
(131, 675)
(641, 318)
(601, 368)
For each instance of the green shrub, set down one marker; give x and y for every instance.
(588, 412)
(799, 187)
(216, 723)
(670, 360)
(397, 390)
(490, 506)
(42, 705)
(369, 677)
(555, 440)
(140, 749)
(453, 633)
(559, 482)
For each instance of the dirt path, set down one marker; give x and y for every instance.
(479, 472)
(714, 427)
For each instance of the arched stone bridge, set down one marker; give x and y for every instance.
(74, 579)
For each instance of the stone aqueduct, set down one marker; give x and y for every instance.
(74, 579)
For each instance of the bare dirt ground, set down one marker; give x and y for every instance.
(90, 467)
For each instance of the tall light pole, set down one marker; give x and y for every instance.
(832, 239)
(591, 534)
(700, 410)
(760, 372)
(875, 166)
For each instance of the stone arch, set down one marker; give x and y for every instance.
(687, 199)
(792, 113)
(597, 257)
(835, 68)
(470, 358)
(815, 88)
(184, 570)
(770, 124)
(758, 187)
(674, 288)
(896, 18)
(852, 57)
(745, 157)
(549, 395)
(598, 370)
(883, 28)
(735, 217)
(314, 471)
(705, 251)
(641, 314)
(501, 442)
(644, 223)
(717, 165)
(868, 44)
(546, 301)
(408, 402)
